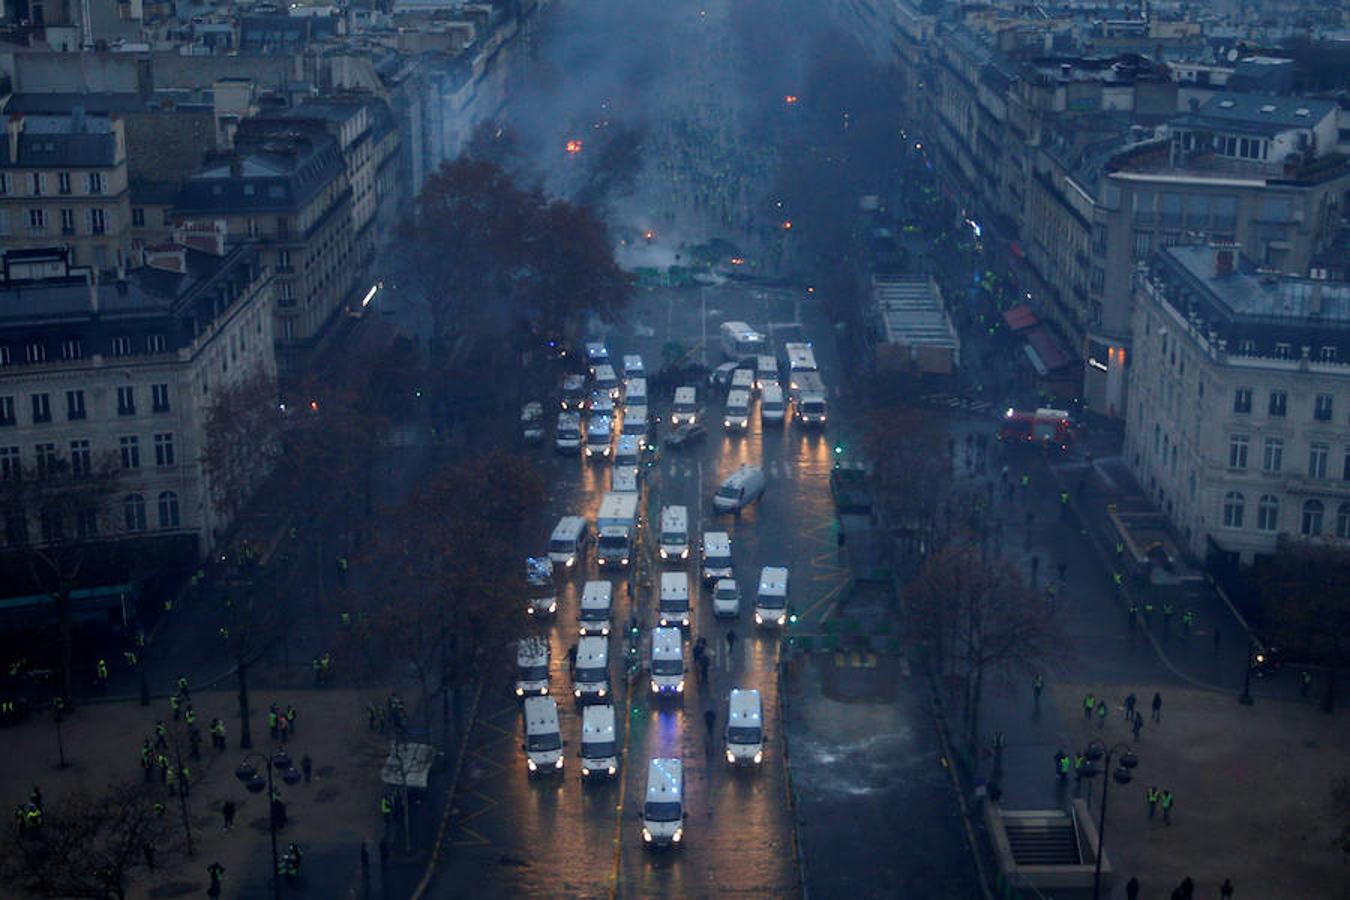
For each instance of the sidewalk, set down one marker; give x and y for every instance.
(328, 818)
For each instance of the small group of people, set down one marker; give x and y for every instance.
(281, 725)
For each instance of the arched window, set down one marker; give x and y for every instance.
(1312, 517)
(168, 510)
(1268, 513)
(1233, 507)
(133, 507)
(1343, 521)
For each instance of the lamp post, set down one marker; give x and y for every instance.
(1122, 775)
(255, 784)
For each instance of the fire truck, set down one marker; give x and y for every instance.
(1047, 427)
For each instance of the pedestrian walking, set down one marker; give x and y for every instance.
(1226, 889)
(1132, 889)
(1102, 713)
(365, 862)
(273, 720)
(1130, 701)
(1061, 767)
(1187, 888)
(572, 659)
(101, 674)
(217, 872)
(1138, 725)
(387, 810)
(147, 758)
(1157, 706)
(1152, 796)
(227, 815)
(1089, 705)
(1063, 567)
(149, 850)
(1035, 568)
(307, 766)
(1038, 685)
(291, 716)
(703, 669)
(1166, 800)
(710, 720)
(217, 729)
(283, 728)
(384, 854)
(1305, 683)
(731, 642)
(317, 665)
(1217, 638)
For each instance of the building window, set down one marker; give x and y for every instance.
(38, 181)
(4, 184)
(1143, 244)
(285, 293)
(98, 221)
(42, 408)
(164, 449)
(1233, 508)
(11, 464)
(1317, 460)
(63, 182)
(67, 221)
(1279, 401)
(50, 521)
(133, 508)
(1237, 451)
(81, 459)
(1247, 347)
(168, 510)
(131, 452)
(1345, 465)
(75, 405)
(95, 182)
(1242, 400)
(251, 227)
(72, 348)
(137, 217)
(86, 522)
(1268, 513)
(1312, 518)
(121, 346)
(1274, 455)
(37, 220)
(7, 417)
(35, 352)
(159, 397)
(283, 260)
(156, 343)
(1322, 408)
(44, 456)
(126, 401)
(1328, 354)
(1281, 350)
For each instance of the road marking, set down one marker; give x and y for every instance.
(829, 595)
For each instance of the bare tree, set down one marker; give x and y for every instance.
(69, 500)
(87, 845)
(243, 438)
(979, 621)
(911, 469)
(1304, 595)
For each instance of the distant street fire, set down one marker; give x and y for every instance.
(790, 99)
(574, 146)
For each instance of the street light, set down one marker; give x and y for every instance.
(255, 784)
(1122, 775)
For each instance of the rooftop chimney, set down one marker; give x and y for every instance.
(1225, 255)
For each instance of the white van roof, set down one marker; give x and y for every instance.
(772, 392)
(597, 724)
(766, 361)
(674, 518)
(666, 642)
(637, 385)
(635, 414)
(568, 528)
(569, 419)
(628, 443)
(745, 708)
(598, 424)
(592, 652)
(742, 377)
(738, 397)
(605, 372)
(773, 580)
(665, 781)
(541, 715)
(674, 584)
(597, 593)
(632, 362)
(624, 480)
(716, 539)
(685, 394)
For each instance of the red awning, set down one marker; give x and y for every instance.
(1047, 349)
(1020, 318)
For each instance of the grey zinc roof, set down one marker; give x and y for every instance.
(1244, 294)
(1259, 113)
(48, 141)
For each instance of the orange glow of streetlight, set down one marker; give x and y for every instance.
(574, 146)
(790, 99)
(787, 226)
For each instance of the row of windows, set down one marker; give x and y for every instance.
(36, 221)
(1272, 456)
(54, 525)
(37, 184)
(73, 348)
(76, 408)
(1324, 405)
(1311, 520)
(46, 459)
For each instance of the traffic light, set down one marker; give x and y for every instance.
(792, 618)
(838, 449)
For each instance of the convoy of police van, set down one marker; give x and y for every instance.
(586, 425)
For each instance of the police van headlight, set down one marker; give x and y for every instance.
(613, 770)
(559, 763)
(585, 770)
(759, 757)
(553, 607)
(726, 423)
(604, 631)
(679, 833)
(684, 554)
(656, 688)
(731, 757)
(576, 692)
(782, 620)
(646, 835)
(602, 692)
(520, 692)
(679, 688)
(531, 763)
(664, 554)
(759, 620)
(624, 561)
(570, 561)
